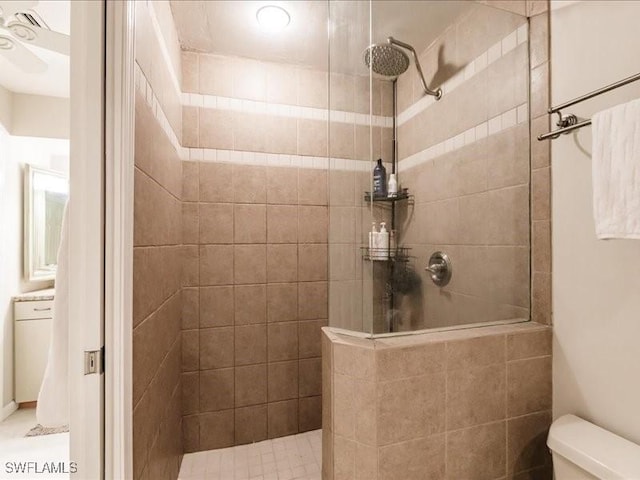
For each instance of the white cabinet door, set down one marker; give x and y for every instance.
(32, 339)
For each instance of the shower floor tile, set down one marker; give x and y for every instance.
(296, 457)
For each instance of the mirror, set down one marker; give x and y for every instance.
(46, 193)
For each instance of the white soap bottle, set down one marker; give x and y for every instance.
(383, 242)
(392, 187)
(373, 237)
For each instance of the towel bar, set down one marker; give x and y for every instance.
(569, 123)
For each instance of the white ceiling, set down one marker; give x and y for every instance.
(229, 27)
(55, 80)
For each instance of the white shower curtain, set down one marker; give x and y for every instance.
(53, 400)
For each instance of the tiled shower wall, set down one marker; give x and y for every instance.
(255, 278)
(466, 159)
(157, 395)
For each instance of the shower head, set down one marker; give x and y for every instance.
(388, 59)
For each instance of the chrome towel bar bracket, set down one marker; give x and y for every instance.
(568, 123)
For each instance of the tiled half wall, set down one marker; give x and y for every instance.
(470, 403)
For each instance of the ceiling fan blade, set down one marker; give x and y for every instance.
(21, 56)
(8, 9)
(41, 37)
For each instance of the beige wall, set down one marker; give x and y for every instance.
(471, 403)
(595, 290)
(157, 262)
(40, 116)
(255, 293)
(472, 201)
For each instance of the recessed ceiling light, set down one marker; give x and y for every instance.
(272, 18)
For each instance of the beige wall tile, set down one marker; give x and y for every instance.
(411, 408)
(476, 352)
(251, 385)
(282, 224)
(312, 300)
(282, 418)
(309, 413)
(190, 308)
(216, 75)
(216, 182)
(249, 132)
(342, 140)
(313, 224)
(282, 84)
(541, 298)
(312, 262)
(190, 72)
(541, 194)
(216, 306)
(249, 184)
(282, 302)
(477, 452)
(281, 135)
(190, 182)
(250, 224)
(312, 187)
(250, 264)
(528, 386)
(313, 88)
(250, 424)
(394, 363)
(216, 264)
(541, 246)
(476, 396)
(190, 433)
(282, 263)
(309, 332)
(216, 129)
(249, 79)
(190, 350)
(216, 390)
(540, 151)
(282, 341)
(216, 347)
(250, 304)
(216, 222)
(190, 223)
(283, 381)
(344, 454)
(310, 377)
(539, 90)
(190, 126)
(526, 442)
(413, 460)
(282, 185)
(250, 344)
(216, 430)
(190, 393)
(190, 256)
(312, 138)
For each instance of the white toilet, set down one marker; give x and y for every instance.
(584, 451)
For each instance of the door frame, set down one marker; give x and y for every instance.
(119, 173)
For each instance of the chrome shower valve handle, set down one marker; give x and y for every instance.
(439, 268)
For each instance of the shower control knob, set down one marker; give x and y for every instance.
(439, 268)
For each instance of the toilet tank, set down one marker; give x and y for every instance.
(584, 451)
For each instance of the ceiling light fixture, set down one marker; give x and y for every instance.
(272, 19)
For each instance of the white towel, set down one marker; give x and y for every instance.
(52, 409)
(616, 171)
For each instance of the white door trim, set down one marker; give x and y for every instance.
(119, 181)
(86, 236)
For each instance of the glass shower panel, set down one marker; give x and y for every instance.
(439, 92)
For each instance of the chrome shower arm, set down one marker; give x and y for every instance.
(437, 93)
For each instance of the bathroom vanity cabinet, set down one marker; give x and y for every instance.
(33, 315)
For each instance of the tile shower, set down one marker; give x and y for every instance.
(250, 217)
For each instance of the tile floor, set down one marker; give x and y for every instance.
(296, 457)
(15, 447)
